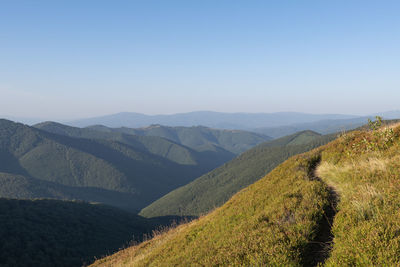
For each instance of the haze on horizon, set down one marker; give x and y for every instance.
(78, 59)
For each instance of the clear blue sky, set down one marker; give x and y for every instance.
(71, 59)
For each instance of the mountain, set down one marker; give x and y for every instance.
(238, 121)
(210, 155)
(271, 124)
(199, 138)
(216, 187)
(24, 120)
(40, 164)
(322, 127)
(64, 233)
(337, 205)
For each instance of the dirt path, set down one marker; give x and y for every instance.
(319, 249)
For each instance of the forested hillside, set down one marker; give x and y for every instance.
(37, 164)
(64, 233)
(154, 144)
(216, 187)
(197, 137)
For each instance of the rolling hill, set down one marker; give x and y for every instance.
(336, 205)
(38, 164)
(199, 138)
(216, 187)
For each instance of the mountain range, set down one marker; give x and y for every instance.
(237, 121)
(271, 124)
(111, 166)
(199, 138)
(129, 173)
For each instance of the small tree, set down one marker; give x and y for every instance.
(375, 125)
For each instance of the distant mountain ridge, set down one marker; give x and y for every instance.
(239, 121)
(272, 124)
(199, 138)
(322, 127)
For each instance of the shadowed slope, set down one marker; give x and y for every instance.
(64, 233)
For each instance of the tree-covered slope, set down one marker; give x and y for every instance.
(281, 220)
(197, 137)
(216, 187)
(156, 144)
(64, 233)
(36, 163)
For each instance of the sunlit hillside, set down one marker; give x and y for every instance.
(285, 218)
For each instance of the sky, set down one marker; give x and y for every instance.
(75, 59)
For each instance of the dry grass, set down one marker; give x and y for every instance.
(367, 226)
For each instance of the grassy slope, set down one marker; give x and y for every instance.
(198, 137)
(216, 187)
(63, 233)
(36, 163)
(364, 168)
(274, 221)
(268, 223)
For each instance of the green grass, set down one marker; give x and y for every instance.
(367, 226)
